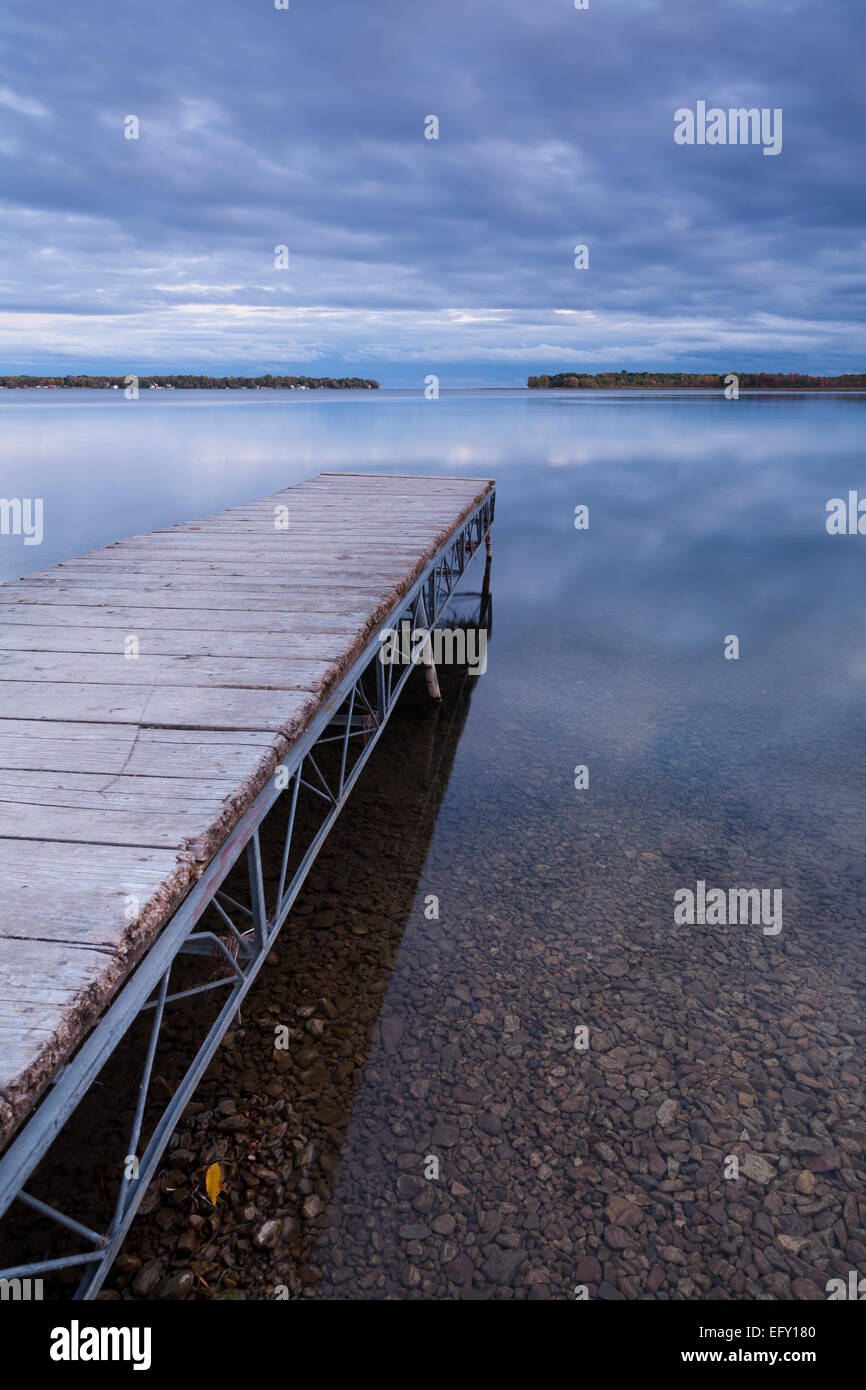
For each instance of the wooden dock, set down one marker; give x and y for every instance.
(148, 690)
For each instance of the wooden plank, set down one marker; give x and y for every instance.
(237, 548)
(158, 812)
(98, 668)
(36, 1036)
(174, 575)
(20, 637)
(183, 707)
(333, 603)
(300, 534)
(96, 789)
(95, 884)
(54, 746)
(404, 477)
(277, 624)
(284, 570)
(163, 827)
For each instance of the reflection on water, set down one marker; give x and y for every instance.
(606, 1168)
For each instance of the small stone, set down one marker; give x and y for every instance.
(414, 1231)
(666, 1113)
(792, 1244)
(588, 1270)
(805, 1289)
(753, 1166)
(509, 1240)
(444, 1225)
(177, 1285)
(490, 1124)
(148, 1277)
(825, 1162)
(445, 1136)
(392, 1030)
(312, 1206)
(460, 1269)
(490, 1221)
(502, 1265)
(615, 1238)
(622, 1212)
(233, 1124)
(780, 1284)
(805, 1182)
(268, 1235)
(329, 1114)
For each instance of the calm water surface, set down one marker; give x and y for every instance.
(707, 518)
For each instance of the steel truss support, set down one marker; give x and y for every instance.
(358, 710)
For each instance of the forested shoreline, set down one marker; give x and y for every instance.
(708, 381)
(189, 382)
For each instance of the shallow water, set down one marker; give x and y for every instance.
(558, 1168)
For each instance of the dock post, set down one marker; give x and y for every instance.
(257, 893)
(484, 613)
(423, 612)
(430, 671)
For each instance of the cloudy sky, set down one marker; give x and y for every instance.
(305, 128)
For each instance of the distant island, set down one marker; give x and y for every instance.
(187, 382)
(711, 381)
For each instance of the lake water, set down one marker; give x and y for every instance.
(561, 1167)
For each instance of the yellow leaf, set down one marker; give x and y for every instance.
(213, 1181)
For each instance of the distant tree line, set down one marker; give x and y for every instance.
(189, 382)
(764, 381)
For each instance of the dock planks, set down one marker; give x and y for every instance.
(120, 778)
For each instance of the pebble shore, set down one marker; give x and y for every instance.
(558, 1172)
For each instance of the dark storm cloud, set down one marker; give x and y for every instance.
(305, 128)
